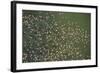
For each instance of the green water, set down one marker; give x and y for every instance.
(55, 36)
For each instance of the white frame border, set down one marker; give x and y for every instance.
(21, 65)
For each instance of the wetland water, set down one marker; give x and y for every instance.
(55, 36)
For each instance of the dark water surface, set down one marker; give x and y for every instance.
(55, 36)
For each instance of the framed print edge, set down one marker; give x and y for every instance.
(96, 36)
(13, 36)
